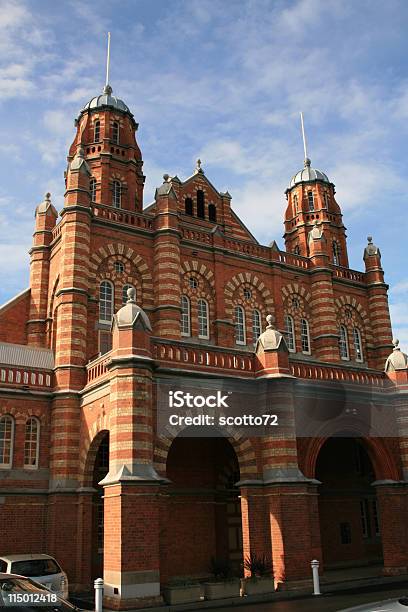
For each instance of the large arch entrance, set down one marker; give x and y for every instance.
(202, 513)
(348, 510)
(101, 468)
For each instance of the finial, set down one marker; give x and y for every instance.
(307, 160)
(107, 63)
(269, 320)
(131, 294)
(47, 196)
(369, 239)
(396, 344)
(198, 167)
(166, 178)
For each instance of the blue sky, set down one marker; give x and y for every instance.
(223, 81)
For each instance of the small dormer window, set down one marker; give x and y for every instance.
(115, 132)
(310, 199)
(212, 213)
(188, 206)
(117, 194)
(200, 204)
(97, 131)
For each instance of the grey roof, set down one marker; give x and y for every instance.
(308, 174)
(26, 356)
(106, 99)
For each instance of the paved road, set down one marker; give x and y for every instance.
(325, 603)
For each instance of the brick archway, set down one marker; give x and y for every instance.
(242, 446)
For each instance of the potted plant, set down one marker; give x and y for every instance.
(182, 591)
(223, 584)
(261, 575)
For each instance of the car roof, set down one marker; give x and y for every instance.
(28, 557)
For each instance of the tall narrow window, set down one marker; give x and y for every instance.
(202, 319)
(92, 189)
(97, 131)
(6, 441)
(32, 443)
(336, 253)
(200, 204)
(240, 335)
(305, 336)
(343, 343)
(125, 293)
(185, 316)
(290, 333)
(256, 325)
(365, 518)
(105, 302)
(376, 517)
(117, 194)
(296, 250)
(358, 348)
(115, 132)
(295, 203)
(212, 213)
(188, 206)
(326, 199)
(310, 200)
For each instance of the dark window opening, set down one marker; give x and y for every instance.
(212, 213)
(345, 533)
(188, 205)
(200, 204)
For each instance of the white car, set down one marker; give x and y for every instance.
(389, 605)
(42, 568)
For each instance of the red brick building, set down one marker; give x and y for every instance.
(84, 472)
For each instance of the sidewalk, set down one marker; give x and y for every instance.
(334, 581)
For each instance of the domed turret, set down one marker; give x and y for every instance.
(397, 360)
(106, 100)
(308, 174)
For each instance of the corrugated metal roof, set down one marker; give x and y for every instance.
(26, 356)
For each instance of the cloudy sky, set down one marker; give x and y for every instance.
(224, 81)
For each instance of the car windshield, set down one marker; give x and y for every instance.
(13, 585)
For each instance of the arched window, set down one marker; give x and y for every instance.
(240, 335)
(117, 194)
(295, 203)
(6, 441)
(336, 253)
(188, 206)
(203, 331)
(97, 131)
(305, 336)
(115, 132)
(105, 302)
(358, 346)
(124, 293)
(212, 213)
(92, 189)
(296, 250)
(185, 316)
(326, 199)
(290, 333)
(256, 325)
(310, 200)
(343, 343)
(200, 204)
(32, 443)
